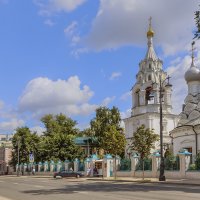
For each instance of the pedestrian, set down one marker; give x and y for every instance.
(88, 171)
(95, 171)
(33, 171)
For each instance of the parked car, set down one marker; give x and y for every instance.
(69, 173)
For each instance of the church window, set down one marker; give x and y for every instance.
(150, 66)
(149, 78)
(148, 98)
(137, 97)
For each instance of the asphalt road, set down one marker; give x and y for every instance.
(28, 188)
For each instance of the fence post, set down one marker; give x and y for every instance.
(107, 168)
(184, 156)
(51, 166)
(87, 167)
(66, 165)
(76, 164)
(45, 166)
(134, 162)
(59, 165)
(155, 164)
(39, 166)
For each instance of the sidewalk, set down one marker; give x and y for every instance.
(195, 182)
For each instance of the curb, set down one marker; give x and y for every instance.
(178, 182)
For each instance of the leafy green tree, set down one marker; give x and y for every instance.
(27, 143)
(197, 22)
(114, 143)
(143, 141)
(107, 131)
(58, 143)
(105, 118)
(59, 124)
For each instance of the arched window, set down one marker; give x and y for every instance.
(148, 97)
(150, 66)
(137, 97)
(149, 78)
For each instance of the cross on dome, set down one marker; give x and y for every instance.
(150, 32)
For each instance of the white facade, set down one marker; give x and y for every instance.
(146, 110)
(187, 133)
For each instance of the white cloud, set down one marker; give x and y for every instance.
(70, 29)
(107, 101)
(48, 7)
(38, 129)
(115, 75)
(126, 96)
(42, 96)
(125, 114)
(77, 52)
(49, 22)
(125, 22)
(177, 71)
(9, 126)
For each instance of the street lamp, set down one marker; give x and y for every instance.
(162, 86)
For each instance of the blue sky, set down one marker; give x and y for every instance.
(72, 56)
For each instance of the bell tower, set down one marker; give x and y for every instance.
(146, 95)
(148, 76)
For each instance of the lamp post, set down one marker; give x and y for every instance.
(162, 86)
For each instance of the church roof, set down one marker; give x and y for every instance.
(193, 73)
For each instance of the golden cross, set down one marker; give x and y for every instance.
(150, 18)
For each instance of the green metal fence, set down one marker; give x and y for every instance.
(172, 163)
(125, 165)
(147, 164)
(195, 163)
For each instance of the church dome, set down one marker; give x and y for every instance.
(150, 33)
(192, 74)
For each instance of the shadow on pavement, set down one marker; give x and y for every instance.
(113, 187)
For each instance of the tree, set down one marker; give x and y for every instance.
(107, 131)
(105, 118)
(59, 124)
(27, 143)
(197, 22)
(143, 141)
(114, 143)
(58, 143)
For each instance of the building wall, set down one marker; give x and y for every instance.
(185, 138)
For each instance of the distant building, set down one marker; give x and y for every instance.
(5, 157)
(85, 143)
(5, 153)
(6, 139)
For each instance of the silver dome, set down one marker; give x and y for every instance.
(192, 74)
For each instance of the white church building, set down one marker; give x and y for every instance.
(187, 133)
(146, 110)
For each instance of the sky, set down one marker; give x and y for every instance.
(72, 56)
